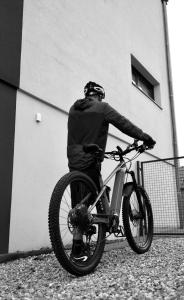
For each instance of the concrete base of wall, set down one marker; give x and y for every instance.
(110, 245)
(17, 255)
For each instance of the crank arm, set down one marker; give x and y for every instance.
(98, 220)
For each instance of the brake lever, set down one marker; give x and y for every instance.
(135, 143)
(142, 148)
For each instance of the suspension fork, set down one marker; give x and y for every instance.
(137, 193)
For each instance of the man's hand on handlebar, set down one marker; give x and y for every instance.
(148, 141)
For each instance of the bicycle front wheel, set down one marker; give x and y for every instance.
(138, 220)
(60, 226)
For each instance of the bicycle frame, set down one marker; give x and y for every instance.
(110, 213)
(114, 208)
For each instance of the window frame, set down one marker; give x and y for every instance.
(140, 74)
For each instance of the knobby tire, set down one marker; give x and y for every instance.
(54, 226)
(129, 223)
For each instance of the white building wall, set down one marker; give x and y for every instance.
(65, 44)
(39, 161)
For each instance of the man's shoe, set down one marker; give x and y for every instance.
(80, 252)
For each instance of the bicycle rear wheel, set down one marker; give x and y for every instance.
(138, 225)
(61, 229)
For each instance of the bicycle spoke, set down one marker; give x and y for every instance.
(65, 230)
(65, 210)
(69, 194)
(69, 207)
(61, 217)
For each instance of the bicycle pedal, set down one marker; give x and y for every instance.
(119, 232)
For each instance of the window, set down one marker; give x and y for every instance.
(144, 81)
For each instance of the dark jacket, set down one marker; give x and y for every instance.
(88, 123)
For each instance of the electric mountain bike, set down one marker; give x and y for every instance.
(95, 214)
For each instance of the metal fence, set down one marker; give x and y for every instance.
(164, 182)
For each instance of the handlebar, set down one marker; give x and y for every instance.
(120, 153)
(117, 154)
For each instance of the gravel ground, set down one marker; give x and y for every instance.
(121, 274)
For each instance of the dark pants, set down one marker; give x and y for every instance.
(78, 191)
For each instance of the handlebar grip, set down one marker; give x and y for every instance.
(142, 148)
(149, 146)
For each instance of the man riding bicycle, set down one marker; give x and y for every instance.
(88, 123)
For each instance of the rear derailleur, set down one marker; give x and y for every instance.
(80, 217)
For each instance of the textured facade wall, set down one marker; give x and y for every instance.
(69, 43)
(39, 161)
(64, 45)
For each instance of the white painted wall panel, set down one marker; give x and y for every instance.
(67, 43)
(39, 161)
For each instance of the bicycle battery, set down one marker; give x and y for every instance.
(117, 192)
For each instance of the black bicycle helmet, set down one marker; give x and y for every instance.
(92, 88)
